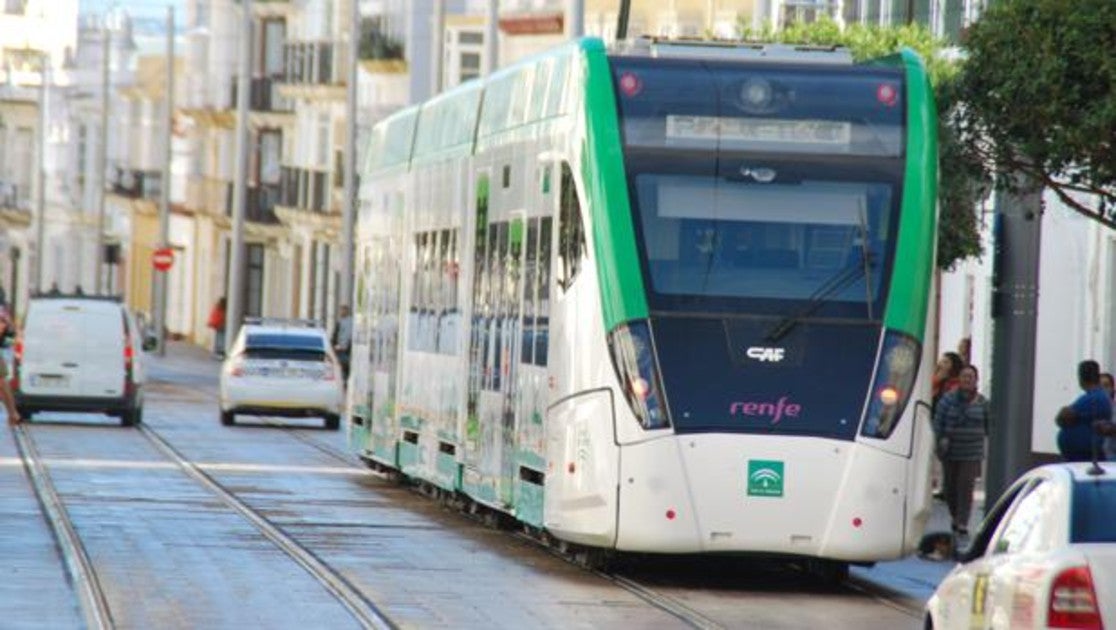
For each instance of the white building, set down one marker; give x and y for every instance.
(37, 43)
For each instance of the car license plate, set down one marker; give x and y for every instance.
(50, 380)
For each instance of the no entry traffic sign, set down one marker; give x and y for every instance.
(162, 258)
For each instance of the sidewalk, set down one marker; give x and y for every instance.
(912, 576)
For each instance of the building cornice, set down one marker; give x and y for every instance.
(306, 91)
(326, 225)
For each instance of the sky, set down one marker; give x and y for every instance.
(136, 8)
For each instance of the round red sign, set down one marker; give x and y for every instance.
(162, 258)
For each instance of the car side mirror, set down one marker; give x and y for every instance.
(150, 343)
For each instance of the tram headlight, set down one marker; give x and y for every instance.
(633, 357)
(892, 387)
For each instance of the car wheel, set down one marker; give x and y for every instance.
(227, 418)
(131, 417)
(25, 414)
(333, 422)
(928, 623)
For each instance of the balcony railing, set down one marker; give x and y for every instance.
(260, 206)
(263, 95)
(136, 184)
(310, 63)
(15, 196)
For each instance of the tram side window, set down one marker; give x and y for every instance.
(542, 308)
(571, 235)
(530, 290)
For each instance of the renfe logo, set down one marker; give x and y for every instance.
(760, 353)
(775, 410)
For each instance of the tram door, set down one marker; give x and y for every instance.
(490, 425)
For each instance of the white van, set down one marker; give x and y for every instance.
(78, 353)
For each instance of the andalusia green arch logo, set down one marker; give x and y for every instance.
(765, 478)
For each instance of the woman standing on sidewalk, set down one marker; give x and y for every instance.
(960, 424)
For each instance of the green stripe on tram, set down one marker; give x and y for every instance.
(909, 297)
(618, 268)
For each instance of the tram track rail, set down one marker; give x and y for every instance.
(684, 613)
(83, 575)
(362, 609)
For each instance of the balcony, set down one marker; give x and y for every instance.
(260, 203)
(15, 197)
(136, 184)
(311, 63)
(304, 189)
(263, 95)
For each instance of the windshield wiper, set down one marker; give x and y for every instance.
(833, 285)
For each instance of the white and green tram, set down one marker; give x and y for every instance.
(670, 298)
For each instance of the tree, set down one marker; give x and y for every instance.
(1039, 87)
(963, 180)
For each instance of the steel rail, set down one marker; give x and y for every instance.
(366, 612)
(94, 604)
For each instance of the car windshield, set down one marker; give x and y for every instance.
(1094, 511)
(298, 347)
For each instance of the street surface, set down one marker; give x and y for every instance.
(185, 523)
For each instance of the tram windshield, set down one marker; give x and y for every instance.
(772, 190)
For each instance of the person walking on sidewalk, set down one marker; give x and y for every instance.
(342, 338)
(1078, 441)
(217, 323)
(961, 421)
(6, 395)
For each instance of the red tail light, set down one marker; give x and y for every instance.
(129, 358)
(1073, 601)
(236, 368)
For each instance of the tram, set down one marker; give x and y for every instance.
(668, 297)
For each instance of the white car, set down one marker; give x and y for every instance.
(281, 368)
(1045, 556)
(79, 354)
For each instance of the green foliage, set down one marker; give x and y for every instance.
(375, 43)
(1040, 88)
(962, 179)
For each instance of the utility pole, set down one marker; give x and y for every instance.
(235, 308)
(348, 202)
(437, 46)
(622, 20)
(491, 35)
(575, 19)
(102, 159)
(161, 279)
(40, 193)
(1015, 293)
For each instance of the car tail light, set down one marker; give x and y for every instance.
(17, 360)
(129, 358)
(633, 357)
(330, 373)
(236, 367)
(1073, 601)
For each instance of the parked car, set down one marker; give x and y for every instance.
(1045, 556)
(281, 368)
(78, 353)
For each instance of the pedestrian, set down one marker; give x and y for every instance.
(961, 422)
(1108, 385)
(216, 321)
(1077, 439)
(8, 398)
(946, 377)
(342, 338)
(965, 350)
